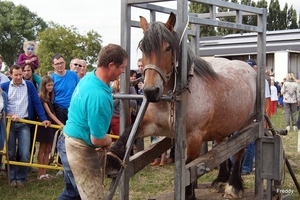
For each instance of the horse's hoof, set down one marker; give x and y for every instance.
(232, 193)
(218, 187)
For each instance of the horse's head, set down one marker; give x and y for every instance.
(159, 47)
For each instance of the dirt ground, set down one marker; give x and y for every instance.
(203, 193)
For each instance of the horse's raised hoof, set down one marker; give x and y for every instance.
(232, 193)
(218, 187)
(112, 167)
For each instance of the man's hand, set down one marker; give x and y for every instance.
(46, 123)
(32, 59)
(15, 118)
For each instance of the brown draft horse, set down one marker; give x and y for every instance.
(221, 101)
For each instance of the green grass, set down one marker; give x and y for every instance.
(152, 180)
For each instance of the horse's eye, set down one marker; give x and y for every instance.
(168, 48)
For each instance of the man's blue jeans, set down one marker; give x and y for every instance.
(21, 132)
(2, 139)
(70, 191)
(248, 158)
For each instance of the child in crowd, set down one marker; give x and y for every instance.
(46, 135)
(28, 57)
(155, 139)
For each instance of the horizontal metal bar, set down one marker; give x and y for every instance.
(138, 96)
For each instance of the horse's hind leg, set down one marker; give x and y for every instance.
(234, 188)
(218, 185)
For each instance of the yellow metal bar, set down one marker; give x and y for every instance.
(56, 166)
(113, 136)
(30, 164)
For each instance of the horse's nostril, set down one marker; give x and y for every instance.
(152, 94)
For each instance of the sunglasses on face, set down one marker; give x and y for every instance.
(79, 65)
(30, 48)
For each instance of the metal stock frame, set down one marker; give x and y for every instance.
(195, 20)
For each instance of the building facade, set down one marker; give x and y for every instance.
(282, 50)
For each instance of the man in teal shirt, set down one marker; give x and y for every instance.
(89, 117)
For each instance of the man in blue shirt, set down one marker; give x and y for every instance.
(89, 117)
(65, 82)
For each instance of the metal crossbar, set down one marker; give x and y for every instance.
(129, 144)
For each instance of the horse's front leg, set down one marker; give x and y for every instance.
(234, 187)
(218, 185)
(193, 152)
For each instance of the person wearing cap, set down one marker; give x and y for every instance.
(247, 164)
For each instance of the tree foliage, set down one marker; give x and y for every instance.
(202, 8)
(277, 19)
(226, 31)
(17, 25)
(68, 42)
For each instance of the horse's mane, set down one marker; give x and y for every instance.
(157, 33)
(201, 67)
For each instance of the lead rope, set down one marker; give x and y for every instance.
(185, 28)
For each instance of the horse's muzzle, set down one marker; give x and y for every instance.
(152, 94)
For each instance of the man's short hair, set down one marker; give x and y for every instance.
(32, 68)
(14, 67)
(56, 57)
(111, 53)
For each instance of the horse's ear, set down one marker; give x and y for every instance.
(171, 21)
(143, 24)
